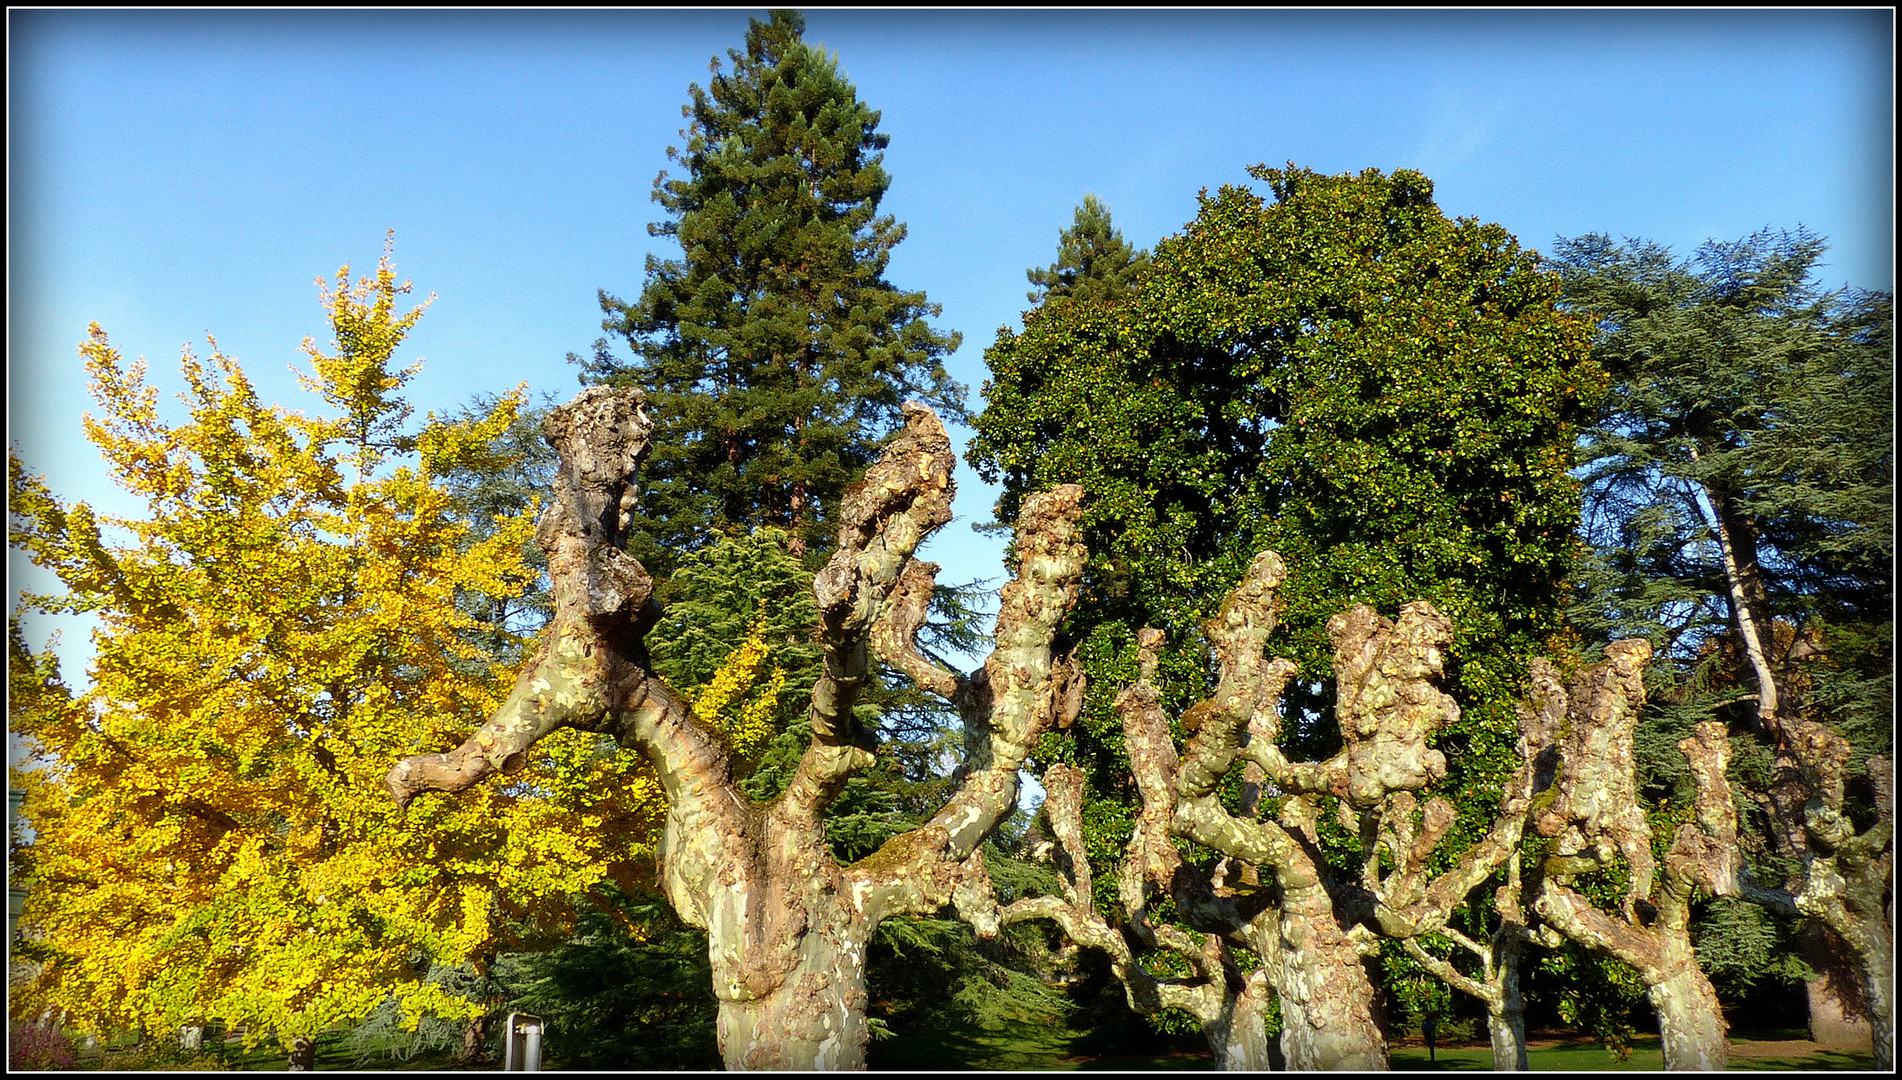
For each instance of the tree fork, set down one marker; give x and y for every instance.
(787, 926)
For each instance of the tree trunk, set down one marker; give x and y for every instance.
(1238, 1039)
(1508, 1032)
(1690, 1022)
(1736, 544)
(1506, 1017)
(1870, 941)
(1328, 1003)
(303, 1054)
(786, 925)
(1838, 1015)
(475, 1034)
(813, 1020)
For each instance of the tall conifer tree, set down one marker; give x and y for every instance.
(1094, 262)
(773, 352)
(1739, 505)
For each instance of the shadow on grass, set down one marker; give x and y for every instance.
(1585, 1055)
(1821, 1061)
(1026, 1047)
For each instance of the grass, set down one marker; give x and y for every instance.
(1025, 1047)
(1032, 1047)
(1585, 1055)
(332, 1055)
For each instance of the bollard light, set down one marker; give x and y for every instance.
(522, 1044)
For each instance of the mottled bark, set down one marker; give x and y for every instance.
(1311, 927)
(1228, 1005)
(1849, 881)
(1410, 905)
(786, 925)
(1585, 818)
(1309, 940)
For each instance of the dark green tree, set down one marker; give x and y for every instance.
(488, 488)
(1094, 262)
(773, 351)
(1385, 396)
(1739, 506)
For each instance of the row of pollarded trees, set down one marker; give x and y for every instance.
(1389, 399)
(788, 925)
(1311, 922)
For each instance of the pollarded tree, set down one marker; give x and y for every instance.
(208, 844)
(1594, 821)
(787, 924)
(773, 351)
(1094, 262)
(1276, 893)
(1739, 500)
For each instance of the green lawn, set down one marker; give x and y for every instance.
(1589, 1056)
(1029, 1048)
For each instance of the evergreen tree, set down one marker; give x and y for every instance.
(1739, 506)
(497, 483)
(773, 352)
(1741, 474)
(1385, 396)
(1094, 262)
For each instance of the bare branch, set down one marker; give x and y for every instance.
(1449, 974)
(1595, 808)
(591, 662)
(895, 634)
(1013, 702)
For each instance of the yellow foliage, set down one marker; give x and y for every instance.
(727, 702)
(212, 840)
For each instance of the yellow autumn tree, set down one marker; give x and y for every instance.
(211, 837)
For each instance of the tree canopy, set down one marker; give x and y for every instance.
(773, 351)
(1094, 262)
(211, 837)
(1385, 396)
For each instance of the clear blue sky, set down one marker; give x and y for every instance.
(178, 173)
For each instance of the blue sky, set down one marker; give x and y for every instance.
(178, 173)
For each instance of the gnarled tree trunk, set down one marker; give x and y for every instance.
(786, 925)
(1314, 929)
(1594, 813)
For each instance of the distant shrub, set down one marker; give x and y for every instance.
(33, 1047)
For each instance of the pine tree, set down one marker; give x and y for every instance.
(774, 353)
(1094, 262)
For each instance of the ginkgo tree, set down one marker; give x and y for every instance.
(210, 837)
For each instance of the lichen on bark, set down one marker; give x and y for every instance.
(1310, 925)
(1595, 816)
(787, 925)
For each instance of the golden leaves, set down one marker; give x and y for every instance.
(728, 703)
(211, 838)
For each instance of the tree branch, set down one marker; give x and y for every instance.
(1010, 705)
(883, 518)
